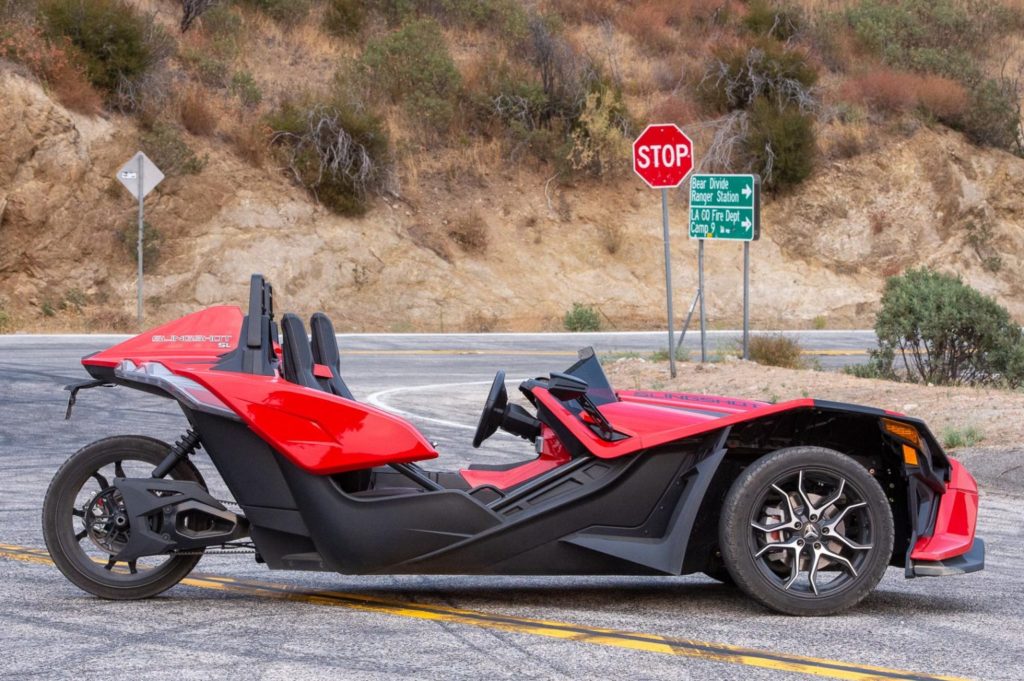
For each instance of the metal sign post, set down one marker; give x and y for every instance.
(663, 157)
(700, 292)
(725, 207)
(746, 300)
(142, 221)
(668, 283)
(140, 176)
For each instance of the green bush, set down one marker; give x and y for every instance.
(344, 17)
(600, 137)
(164, 145)
(780, 21)
(413, 66)
(879, 365)
(776, 350)
(992, 117)
(5, 321)
(210, 69)
(946, 332)
(736, 77)
(947, 37)
(582, 318)
(953, 438)
(244, 86)
(335, 151)
(506, 17)
(152, 242)
(780, 144)
(286, 12)
(110, 34)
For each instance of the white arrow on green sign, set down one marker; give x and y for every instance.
(725, 207)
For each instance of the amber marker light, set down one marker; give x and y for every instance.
(902, 430)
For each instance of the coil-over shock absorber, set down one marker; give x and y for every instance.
(185, 447)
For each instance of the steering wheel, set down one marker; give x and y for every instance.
(494, 410)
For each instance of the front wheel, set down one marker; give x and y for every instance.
(806, 531)
(85, 526)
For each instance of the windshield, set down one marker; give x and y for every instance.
(589, 369)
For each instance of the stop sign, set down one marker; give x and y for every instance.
(663, 155)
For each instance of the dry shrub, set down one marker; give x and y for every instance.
(578, 11)
(106, 321)
(946, 99)
(479, 321)
(776, 350)
(675, 109)
(843, 144)
(649, 24)
(613, 237)
(893, 91)
(251, 140)
(58, 64)
(73, 88)
(430, 238)
(469, 232)
(195, 112)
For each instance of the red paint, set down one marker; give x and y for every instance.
(663, 156)
(552, 455)
(322, 371)
(644, 427)
(318, 432)
(198, 337)
(956, 520)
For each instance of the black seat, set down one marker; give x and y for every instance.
(325, 352)
(298, 358)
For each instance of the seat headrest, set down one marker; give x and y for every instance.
(298, 357)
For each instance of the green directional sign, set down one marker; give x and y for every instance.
(725, 207)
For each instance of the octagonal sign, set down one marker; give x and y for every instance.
(663, 155)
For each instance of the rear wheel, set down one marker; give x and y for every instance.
(806, 531)
(85, 526)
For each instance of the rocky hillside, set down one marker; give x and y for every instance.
(471, 233)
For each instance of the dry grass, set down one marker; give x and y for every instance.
(479, 321)
(426, 236)
(470, 232)
(195, 112)
(893, 91)
(250, 138)
(675, 109)
(58, 65)
(613, 237)
(579, 11)
(73, 89)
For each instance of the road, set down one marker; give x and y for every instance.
(235, 618)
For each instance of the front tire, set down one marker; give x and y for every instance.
(81, 505)
(806, 531)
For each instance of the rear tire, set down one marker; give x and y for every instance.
(70, 547)
(806, 510)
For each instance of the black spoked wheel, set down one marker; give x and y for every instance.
(806, 531)
(85, 525)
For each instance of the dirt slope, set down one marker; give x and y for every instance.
(825, 251)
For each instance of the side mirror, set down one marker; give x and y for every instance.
(565, 387)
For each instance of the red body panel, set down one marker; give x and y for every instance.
(652, 425)
(318, 432)
(552, 455)
(956, 519)
(199, 337)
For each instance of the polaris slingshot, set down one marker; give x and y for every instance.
(802, 504)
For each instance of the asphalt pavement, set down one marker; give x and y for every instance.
(234, 618)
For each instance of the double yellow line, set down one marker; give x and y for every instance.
(650, 643)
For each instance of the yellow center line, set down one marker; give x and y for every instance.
(651, 643)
